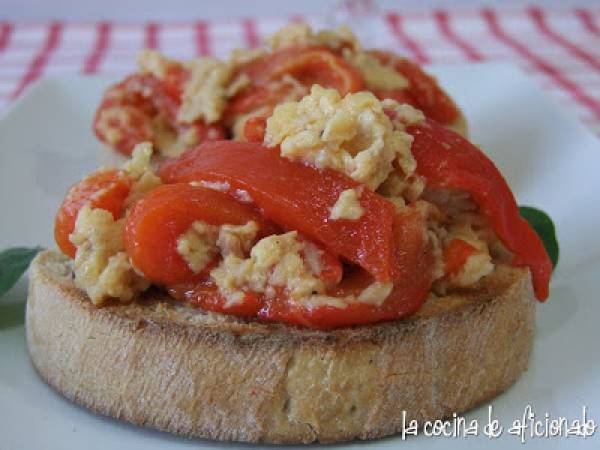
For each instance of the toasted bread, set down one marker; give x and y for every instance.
(161, 364)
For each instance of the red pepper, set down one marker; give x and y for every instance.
(449, 161)
(297, 197)
(413, 271)
(255, 128)
(309, 65)
(206, 295)
(423, 91)
(412, 263)
(141, 98)
(105, 189)
(456, 255)
(158, 220)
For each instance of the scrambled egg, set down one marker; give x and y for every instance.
(400, 189)
(376, 75)
(205, 93)
(241, 56)
(275, 262)
(153, 63)
(198, 245)
(403, 113)
(352, 135)
(294, 91)
(114, 122)
(283, 262)
(375, 294)
(141, 172)
(347, 206)
(456, 217)
(202, 242)
(238, 84)
(214, 185)
(101, 265)
(301, 34)
(443, 228)
(171, 142)
(237, 239)
(477, 265)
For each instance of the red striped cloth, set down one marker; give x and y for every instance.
(559, 48)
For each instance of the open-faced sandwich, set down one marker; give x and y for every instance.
(300, 248)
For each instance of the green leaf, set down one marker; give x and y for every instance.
(544, 227)
(13, 263)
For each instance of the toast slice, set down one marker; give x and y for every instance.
(161, 364)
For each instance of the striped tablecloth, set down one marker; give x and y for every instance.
(559, 48)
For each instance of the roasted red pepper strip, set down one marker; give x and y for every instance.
(413, 269)
(423, 92)
(136, 101)
(106, 189)
(206, 295)
(309, 65)
(255, 129)
(449, 161)
(296, 197)
(260, 97)
(456, 255)
(413, 262)
(158, 220)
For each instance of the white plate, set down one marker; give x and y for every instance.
(550, 160)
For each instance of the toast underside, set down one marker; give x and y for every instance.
(158, 363)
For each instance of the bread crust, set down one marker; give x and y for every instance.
(160, 364)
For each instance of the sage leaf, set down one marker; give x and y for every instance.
(13, 263)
